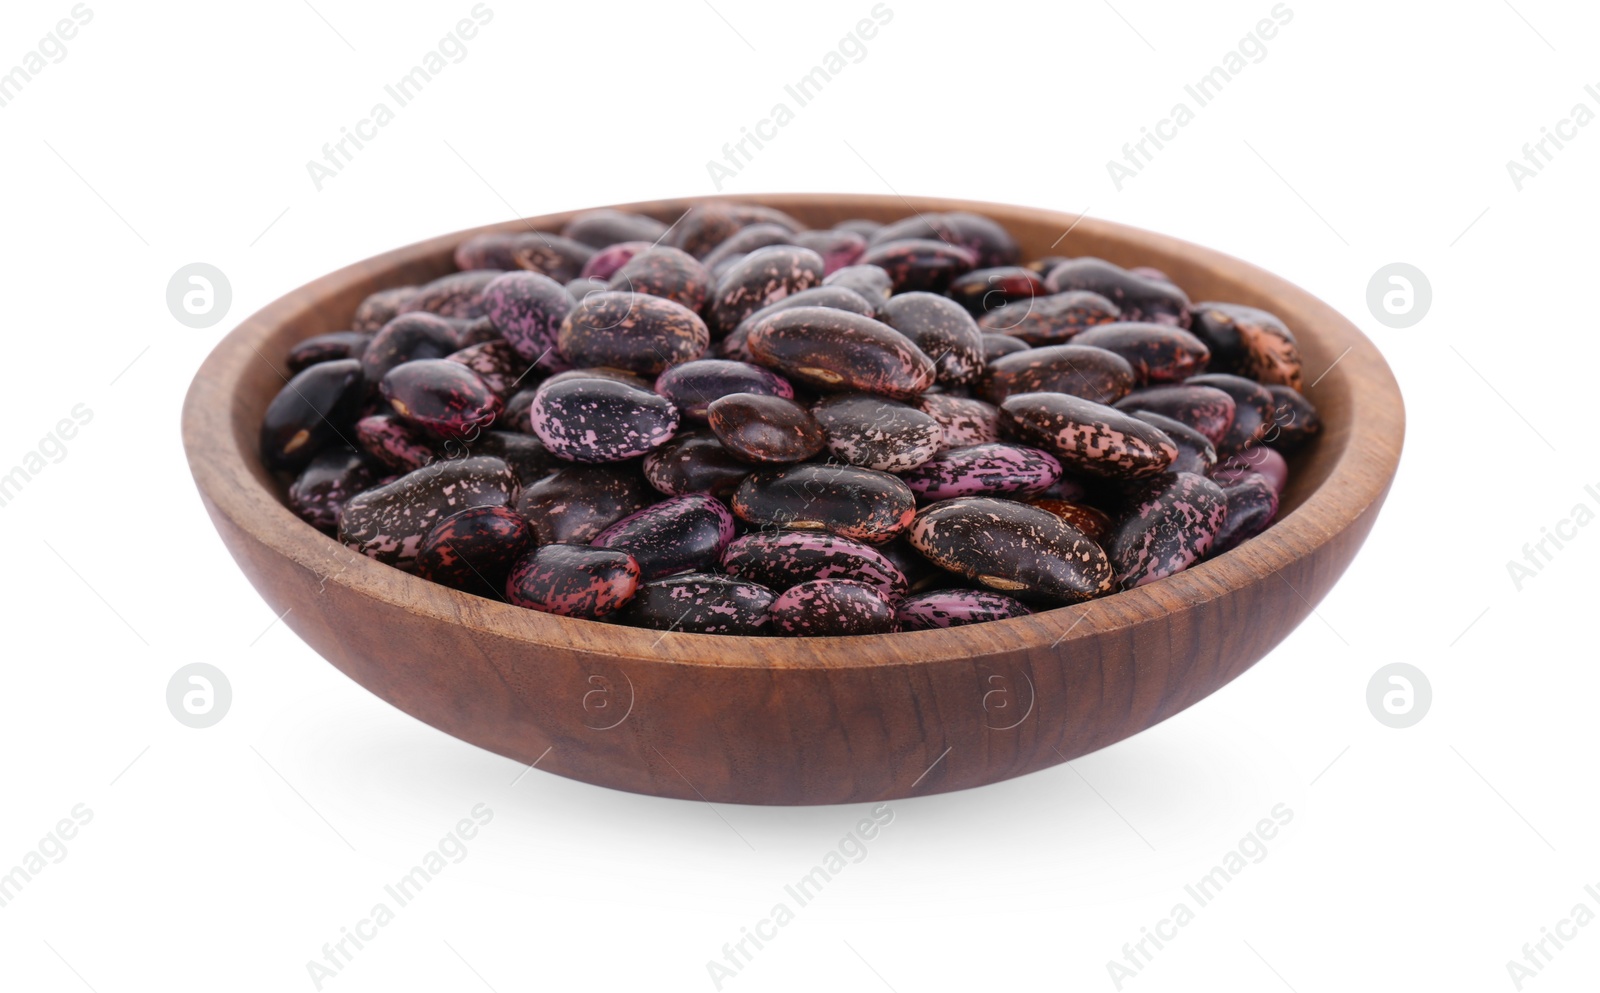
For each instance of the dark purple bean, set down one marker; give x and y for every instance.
(389, 522)
(701, 603)
(1255, 460)
(1172, 524)
(665, 272)
(606, 226)
(760, 279)
(681, 534)
(870, 281)
(559, 258)
(990, 244)
(397, 443)
(840, 351)
(472, 550)
(746, 240)
(496, 363)
(1252, 409)
(319, 493)
(1249, 342)
(328, 348)
(944, 331)
(875, 433)
(832, 608)
(1077, 370)
(859, 225)
(444, 397)
(837, 248)
(576, 503)
(408, 337)
(1091, 521)
(1252, 504)
(1294, 419)
(598, 420)
(1196, 453)
(857, 503)
(1140, 299)
(784, 559)
(695, 463)
(315, 409)
(993, 469)
(1158, 353)
(632, 331)
(1050, 320)
(997, 345)
(1088, 437)
(963, 420)
(605, 263)
(764, 429)
(955, 608)
(692, 386)
(380, 308)
(1012, 547)
(705, 226)
(486, 251)
(921, 264)
(1207, 410)
(983, 290)
(525, 454)
(573, 581)
(459, 294)
(528, 308)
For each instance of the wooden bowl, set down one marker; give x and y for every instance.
(814, 720)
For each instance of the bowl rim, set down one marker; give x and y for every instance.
(1364, 465)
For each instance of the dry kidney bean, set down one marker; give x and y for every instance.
(1170, 525)
(1158, 353)
(601, 228)
(963, 420)
(863, 504)
(983, 290)
(665, 272)
(1091, 373)
(312, 411)
(953, 608)
(1089, 437)
(573, 505)
(840, 351)
(1050, 320)
(831, 608)
(441, 396)
(573, 581)
(473, 549)
(388, 522)
(876, 433)
(695, 463)
(694, 385)
(532, 404)
(921, 263)
(682, 534)
(323, 487)
(781, 560)
(1249, 342)
(701, 603)
(760, 279)
(1139, 297)
(764, 429)
(944, 331)
(327, 348)
(1012, 547)
(632, 331)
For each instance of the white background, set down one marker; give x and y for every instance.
(225, 858)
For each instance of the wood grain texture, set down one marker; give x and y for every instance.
(820, 720)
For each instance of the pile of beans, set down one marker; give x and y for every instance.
(735, 425)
